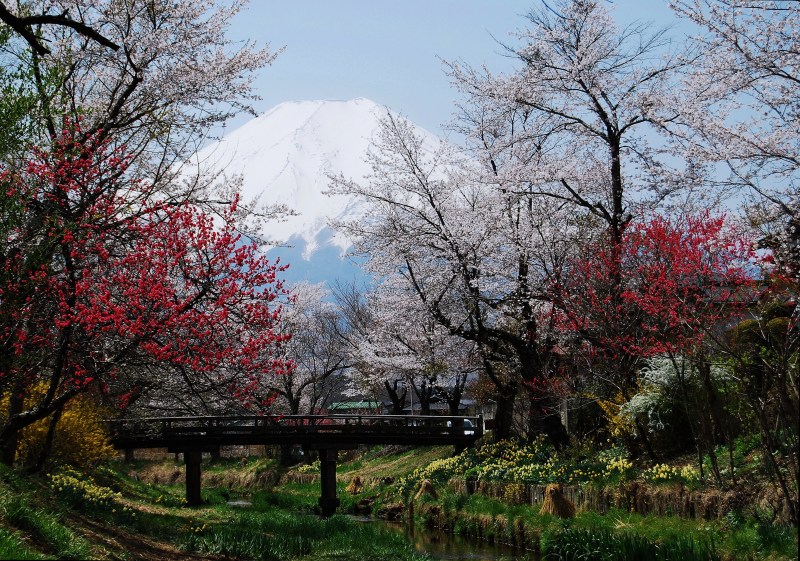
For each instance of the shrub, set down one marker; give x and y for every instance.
(80, 438)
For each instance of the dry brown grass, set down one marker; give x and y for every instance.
(426, 488)
(355, 486)
(556, 503)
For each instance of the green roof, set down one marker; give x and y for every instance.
(355, 405)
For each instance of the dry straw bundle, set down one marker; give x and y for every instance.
(556, 503)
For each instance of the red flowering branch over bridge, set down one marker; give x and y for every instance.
(99, 271)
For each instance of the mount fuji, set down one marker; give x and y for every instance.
(285, 156)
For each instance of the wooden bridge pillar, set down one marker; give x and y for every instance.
(192, 459)
(328, 500)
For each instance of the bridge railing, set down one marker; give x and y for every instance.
(297, 424)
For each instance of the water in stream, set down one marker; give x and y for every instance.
(443, 545)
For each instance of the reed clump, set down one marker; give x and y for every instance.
(556, 503)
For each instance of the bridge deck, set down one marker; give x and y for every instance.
(329, 433)
(320, 431)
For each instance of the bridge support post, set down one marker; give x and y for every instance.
(328, 500)
(193, 459)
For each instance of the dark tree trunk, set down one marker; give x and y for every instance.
(48, 442)
(424, 395)
(454, 397)
(397, 398)
(286, 455)
(8, 445)
(504, 416)
(545, 418)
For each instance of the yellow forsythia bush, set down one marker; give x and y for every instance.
(80, 438)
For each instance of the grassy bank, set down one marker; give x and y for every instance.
(114, 516)
(389, 482)
(136, 511)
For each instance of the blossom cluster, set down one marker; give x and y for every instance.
(82, 490)
(536, 464)
(618, 468)
(313, 467)
(663, 473)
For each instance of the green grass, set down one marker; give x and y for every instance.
(281, 524)
(735, 538)
(278, 526)
(581, 544)
(271, 534)
(11, 547)
(47, 528)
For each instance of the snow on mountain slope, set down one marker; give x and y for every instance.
(285, 157)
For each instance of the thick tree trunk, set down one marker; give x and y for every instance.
(286, 455)
(397, 398)
(424, 394)
(545, 418)
(504, 416)
(10, 438)
(454, 401)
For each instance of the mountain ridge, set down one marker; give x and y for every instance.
(285, 157)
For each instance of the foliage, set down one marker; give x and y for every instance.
(271, 533)
(573, 544)
(313, 467)
(667, 282)
(47, 527)
(18, 107)
(536, 463)
(80, 438)
(12, 547)
(663, 473)
(81, 491)
(99, 271)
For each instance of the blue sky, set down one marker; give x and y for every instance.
(388, 50)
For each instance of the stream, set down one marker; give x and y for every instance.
(439, 544)
(452, 547)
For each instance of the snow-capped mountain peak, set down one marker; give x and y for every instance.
(285, 157)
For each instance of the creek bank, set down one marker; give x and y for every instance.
(247, 477)
(453, 547)
(634, 497)
(522, 527)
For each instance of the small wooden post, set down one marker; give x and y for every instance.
(193, 459)
(328, 500)
(129, 455)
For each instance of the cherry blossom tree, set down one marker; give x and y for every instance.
(406, 349)
(173, 76)
(580, 120)
(316, 349)
(99, 271)
(22, 24)
(476, 256)
(740, 107)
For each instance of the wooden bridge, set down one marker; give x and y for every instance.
(328, 434)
